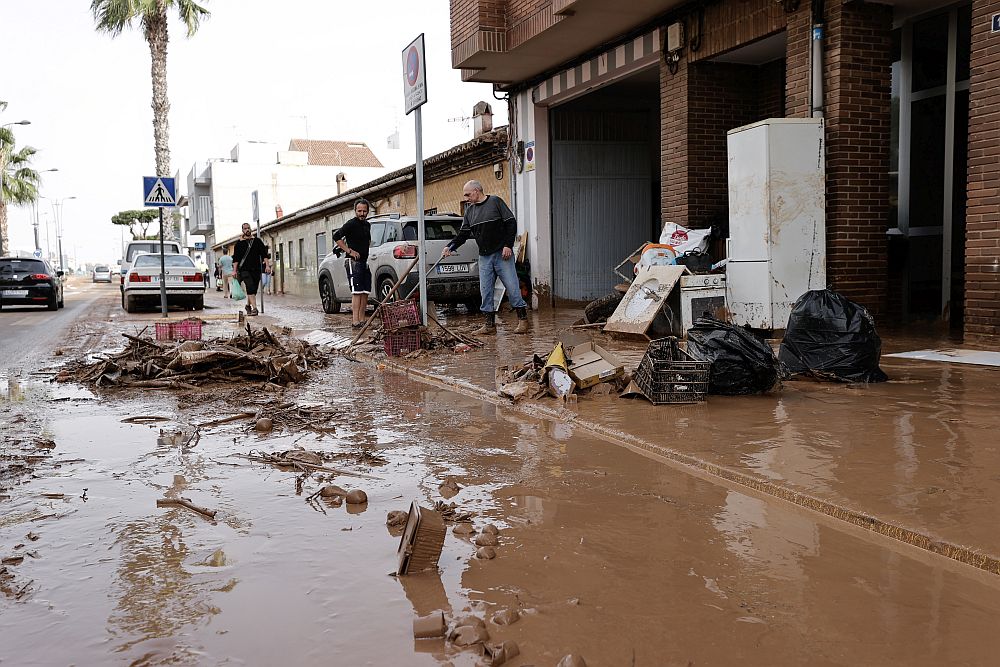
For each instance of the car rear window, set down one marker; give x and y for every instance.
(11, 266)
(101, 269)
(153, 246)
(172, 261)
(436, 230)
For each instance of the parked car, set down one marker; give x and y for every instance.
(101, 274)
(185, 283)
(136, 247)
(31, 282)
(393, 248)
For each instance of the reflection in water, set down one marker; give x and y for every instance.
(426, 593)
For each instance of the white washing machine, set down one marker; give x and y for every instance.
(700, 295)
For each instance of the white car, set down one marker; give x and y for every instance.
(102, 274)
(184, 282)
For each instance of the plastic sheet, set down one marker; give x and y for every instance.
(830, 337)
(742, 363)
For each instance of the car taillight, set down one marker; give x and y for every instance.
(406, 251)
(136, 278)
(196, 278)
(39, 276)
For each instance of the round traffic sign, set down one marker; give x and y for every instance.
(412, 66)
(38, 252)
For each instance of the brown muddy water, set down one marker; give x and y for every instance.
(604, 552)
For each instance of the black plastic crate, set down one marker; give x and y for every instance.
(667, 374)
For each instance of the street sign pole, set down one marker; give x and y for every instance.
(421, 233)
(415, 95)
(163, 269)
(159, 192)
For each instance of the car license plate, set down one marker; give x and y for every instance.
(453, 268)
(15, 293)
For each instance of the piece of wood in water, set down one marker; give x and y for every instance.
(184, 502)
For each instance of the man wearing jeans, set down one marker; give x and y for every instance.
(491, 223)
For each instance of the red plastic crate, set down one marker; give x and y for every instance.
(402, 342)
(183, 330)
(400, 314)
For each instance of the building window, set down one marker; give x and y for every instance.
(320, 247)
(291, 256)
(302, 253)
(204, 211)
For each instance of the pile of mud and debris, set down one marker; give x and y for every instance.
(250, 356)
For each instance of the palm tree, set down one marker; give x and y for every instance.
(113, 16)
(18, 181)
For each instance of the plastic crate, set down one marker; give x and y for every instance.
(666, 374)
(183, 330)
(400, 314)
(402, 342)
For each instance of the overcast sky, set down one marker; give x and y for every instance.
(253, 71)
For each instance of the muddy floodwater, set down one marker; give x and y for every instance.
(603, 552)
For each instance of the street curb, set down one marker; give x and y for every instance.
(701, 468)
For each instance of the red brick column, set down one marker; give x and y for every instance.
(857, 74)
(674, 144)
(797, 45)
(982, 246)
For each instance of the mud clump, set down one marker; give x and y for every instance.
(486, 540)
(491, 529)
(356, 497)
(572, 660)
(264, 425)
(486, 553)
(498, 654)
(467, 635)
(396, 519)
(332, 491)
(430, 626)
(449, 488)
(464, 530)
(506, 617)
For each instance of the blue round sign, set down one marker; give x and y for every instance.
(412, 66)
(37, 253)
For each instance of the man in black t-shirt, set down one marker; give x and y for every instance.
(354, 238)
(248, 264)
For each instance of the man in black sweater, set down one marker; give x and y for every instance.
(354, 238)
(248, 264)
(489, 221)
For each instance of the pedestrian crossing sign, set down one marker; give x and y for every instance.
(158, 191)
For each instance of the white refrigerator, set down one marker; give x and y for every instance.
(777, 213)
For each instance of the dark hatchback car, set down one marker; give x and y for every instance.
(30, 282)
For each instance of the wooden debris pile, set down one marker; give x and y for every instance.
(254, 356)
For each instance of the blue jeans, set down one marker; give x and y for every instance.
(492, 266)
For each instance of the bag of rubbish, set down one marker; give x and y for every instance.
(742, 363)
(236, 289)
(683, 239)
(831, 338)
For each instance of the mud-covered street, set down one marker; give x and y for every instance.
(614, 543)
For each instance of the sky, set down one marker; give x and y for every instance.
(256, 70)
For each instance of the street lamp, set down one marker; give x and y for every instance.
(18, 122)
(34, 206)
(57, 214)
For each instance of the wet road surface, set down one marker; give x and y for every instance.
(606, 553)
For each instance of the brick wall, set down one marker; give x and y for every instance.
(857, 100)
(982, 247)
(674, 144)
(797, 45)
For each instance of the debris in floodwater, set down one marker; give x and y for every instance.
(467, 635)
(449, 511)
(491, 529)
(498, 654)
(301, 459)
(464, 529)
(430, 626)
(356, 497)
(12, 560)
(449, 488)
(145, 419)
(486, 553)
(332, 491)
(217, 559)
(44, 443)
(506, 617)
(32, 536)
(422, 541)
(263, 425)
(184, 502)
(396, 518)
(251, 356)
(54, 496)
(572, 660)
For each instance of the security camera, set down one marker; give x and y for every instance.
(498, 170)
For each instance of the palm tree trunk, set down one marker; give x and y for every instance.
(4, 238)
(156, 36)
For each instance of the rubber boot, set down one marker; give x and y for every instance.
(489, 327)
(522, 320)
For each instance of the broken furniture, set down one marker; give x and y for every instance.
(422, 540)
(667, 374)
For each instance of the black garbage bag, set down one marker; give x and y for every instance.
(742, 363)
(831, 338)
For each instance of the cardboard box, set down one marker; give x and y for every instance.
(591, 364)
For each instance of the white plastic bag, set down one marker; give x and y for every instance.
(683, 239)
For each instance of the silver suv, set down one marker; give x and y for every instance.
(393, 248)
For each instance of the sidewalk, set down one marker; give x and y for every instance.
(913, 459)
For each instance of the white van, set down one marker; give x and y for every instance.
(136, 247)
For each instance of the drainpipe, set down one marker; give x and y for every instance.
(816, 74)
